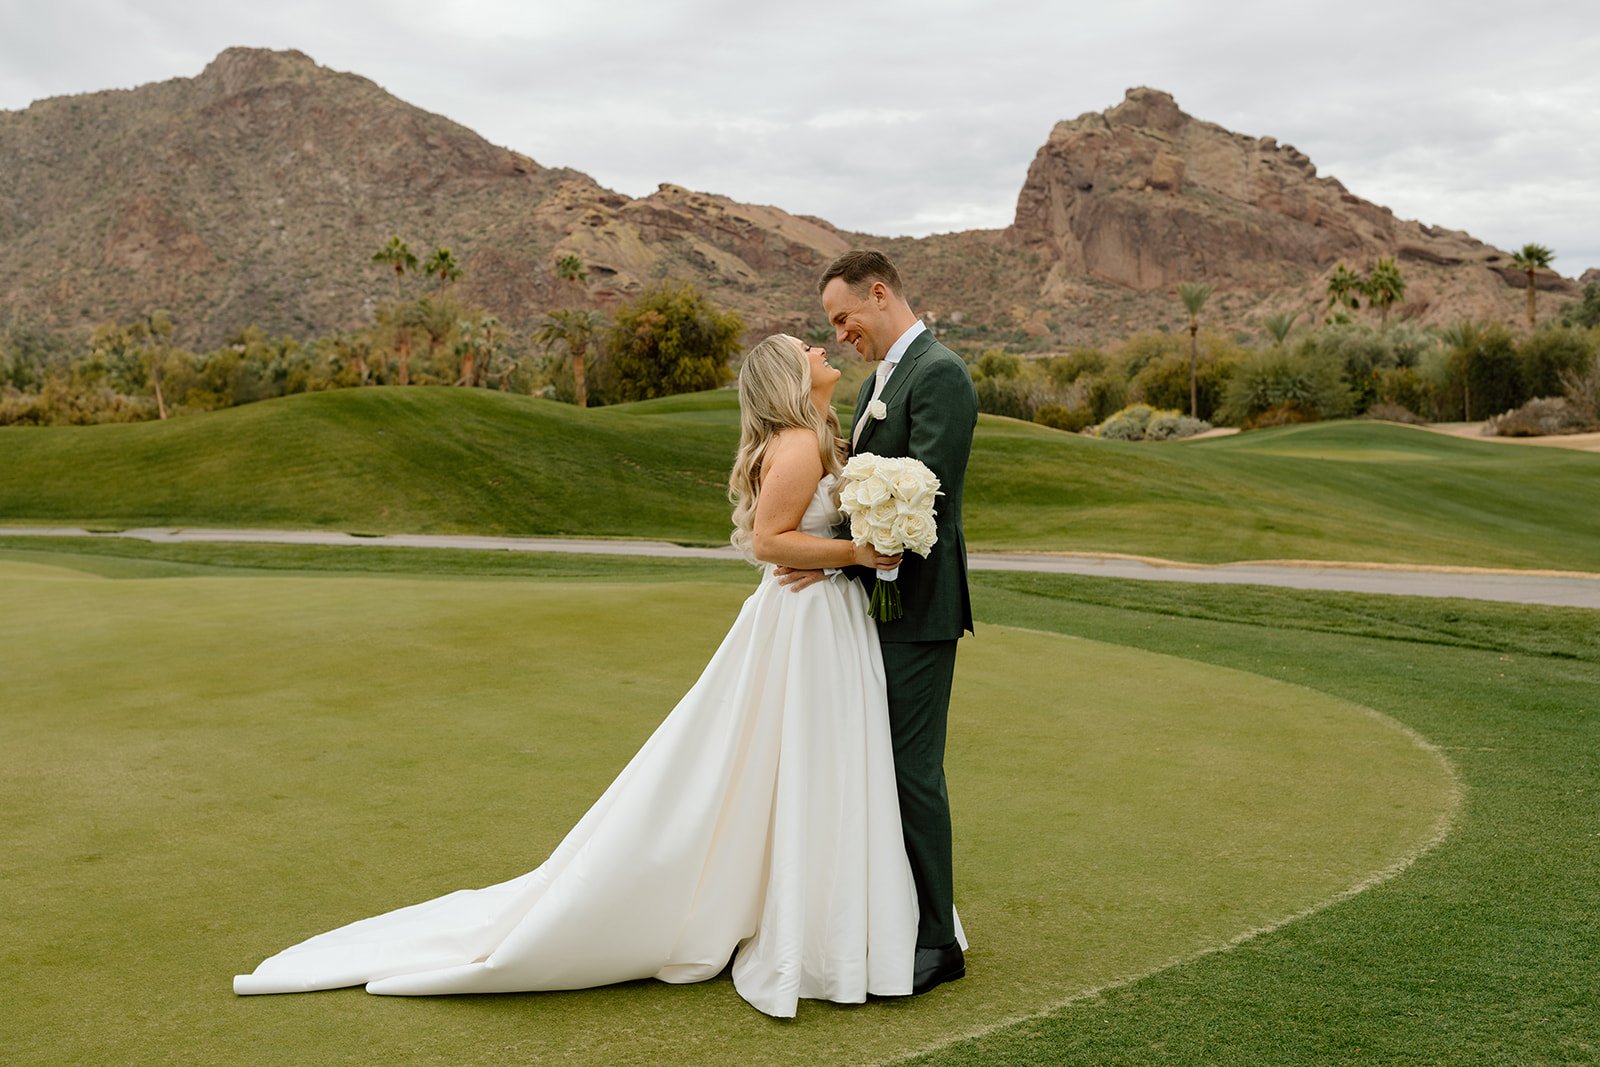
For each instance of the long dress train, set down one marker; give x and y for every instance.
(760, 818)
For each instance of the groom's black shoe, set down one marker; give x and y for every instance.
(935, 966)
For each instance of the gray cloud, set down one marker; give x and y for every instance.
(914, 118)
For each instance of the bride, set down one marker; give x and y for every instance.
(759, 823)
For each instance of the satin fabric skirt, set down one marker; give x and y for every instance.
(759, 822)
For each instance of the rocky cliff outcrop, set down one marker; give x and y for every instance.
(1146, 197)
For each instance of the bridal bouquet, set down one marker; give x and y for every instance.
(890, 505)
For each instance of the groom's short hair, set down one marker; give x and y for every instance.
(859, 268)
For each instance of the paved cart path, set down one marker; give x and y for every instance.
(1562, 588)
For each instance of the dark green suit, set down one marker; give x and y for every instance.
(932, 409)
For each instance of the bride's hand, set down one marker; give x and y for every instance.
(867, 556)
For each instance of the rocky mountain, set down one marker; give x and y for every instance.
(257, 191)
(1145, 197)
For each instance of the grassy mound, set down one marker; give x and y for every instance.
(440, 460)
(201, 770)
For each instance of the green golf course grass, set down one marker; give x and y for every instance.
(435, 460)
(213, 752)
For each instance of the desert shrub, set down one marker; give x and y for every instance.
(1005, 396)
(1492, 373)
(1057, 417)
(1400, 387)
(1141, 422)
(1141, 349)
(997, 363)
(1545, 356)
(1100, 394)
(1300, 386)
(1581, 388)
(1064, 370)
(1392, 412)
(21, 409)
(1127, 424)
(1285, 414)
(1584, 312)
(1164, 383)
(1366, 357)
(1538, 417)
(1171, 425)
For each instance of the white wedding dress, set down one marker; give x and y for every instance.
(759, 818)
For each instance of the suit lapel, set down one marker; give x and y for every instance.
(897, 379)
(902, 371)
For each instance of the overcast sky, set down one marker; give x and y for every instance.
(912, 118)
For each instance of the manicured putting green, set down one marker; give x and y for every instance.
(196, 772)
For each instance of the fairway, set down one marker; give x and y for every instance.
(201, 770)
(437, 460)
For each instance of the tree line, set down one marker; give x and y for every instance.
(668, 339)
(1335, 366)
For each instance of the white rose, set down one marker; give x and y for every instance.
(913, 488)
(877, 409)
(881, 516)
(863, 465)
(920, 533)
(871, 491)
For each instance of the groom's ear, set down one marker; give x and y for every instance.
(880, 294)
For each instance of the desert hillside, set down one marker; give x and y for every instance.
(256, 192)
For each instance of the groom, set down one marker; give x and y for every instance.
(928, 412)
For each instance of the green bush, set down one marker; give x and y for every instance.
(1585, 312)
(1005, 396)
(1297, 386)
(1545, 356)
(1141, 422)
(1064, 370)
(997, 363)
(1127, 424)
(1366, 357)
(1582, 389)
(670, 340)
(1493, 374)
(1164, 383)
(1057, 417)
(1171, 425)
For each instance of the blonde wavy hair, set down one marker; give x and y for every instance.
(774, 395)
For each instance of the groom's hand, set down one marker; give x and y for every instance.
(795, 580)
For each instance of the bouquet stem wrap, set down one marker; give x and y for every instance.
(884, 604)
(890, 502)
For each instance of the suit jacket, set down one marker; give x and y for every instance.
(932, 411)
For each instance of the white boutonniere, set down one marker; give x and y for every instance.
(877, 410)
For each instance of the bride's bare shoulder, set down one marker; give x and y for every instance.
(795, 450)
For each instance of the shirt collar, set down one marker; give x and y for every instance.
(898, 349)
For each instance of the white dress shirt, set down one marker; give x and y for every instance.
(884, 369)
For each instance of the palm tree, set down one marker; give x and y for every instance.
(1531, 257)
(1280, 324)
(479, 338)
(1462, 337)
(1343, 285)
(569, 268)
(398, 255)
(443, 264)
(437, 319)
(1194, 297)
(155, 337)
(573, 329)
(1384, 287)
